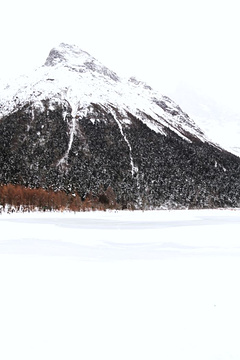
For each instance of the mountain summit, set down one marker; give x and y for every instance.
(75, 76)
(74, 125)
(69, 55)
(76, 59)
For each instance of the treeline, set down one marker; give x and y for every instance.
(20, 198)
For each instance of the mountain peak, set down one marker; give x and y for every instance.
(68, 55)
(74, 125)
(73, 57)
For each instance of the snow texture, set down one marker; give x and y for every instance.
(120, 285)
(75, 76)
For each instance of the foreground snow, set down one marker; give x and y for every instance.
(126, 285)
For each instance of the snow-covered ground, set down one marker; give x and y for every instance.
(120, 285)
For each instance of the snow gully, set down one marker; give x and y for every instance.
(134, 168)
(72, 127)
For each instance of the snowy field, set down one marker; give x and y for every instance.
(160, 285)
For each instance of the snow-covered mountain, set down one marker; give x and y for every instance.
(218, 120)
(73, 76)
(73, 124)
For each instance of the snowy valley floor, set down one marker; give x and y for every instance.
(155, 285)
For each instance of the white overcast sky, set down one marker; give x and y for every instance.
(159, 41)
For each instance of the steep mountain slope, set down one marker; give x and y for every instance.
(75, 125)
(219, 121)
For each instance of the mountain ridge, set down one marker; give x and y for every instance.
(104, 89)
(220, 121)
(74, 125)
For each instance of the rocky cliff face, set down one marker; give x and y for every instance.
(75, 125)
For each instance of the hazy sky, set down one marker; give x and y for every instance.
(159, 41)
